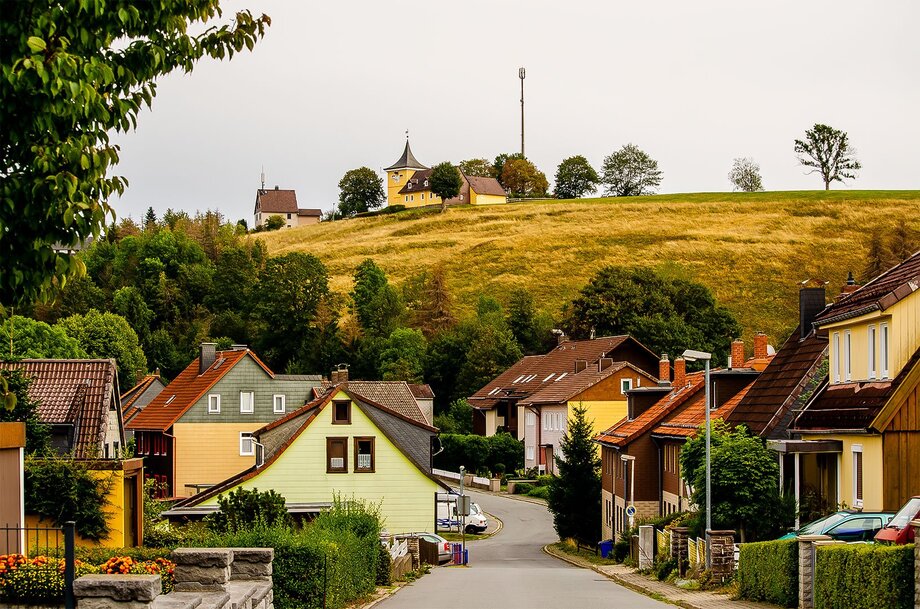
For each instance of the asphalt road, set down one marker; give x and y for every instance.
(510, 571)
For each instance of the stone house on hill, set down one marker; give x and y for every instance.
(283, 203)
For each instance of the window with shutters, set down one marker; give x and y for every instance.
(857, 475)
(364, 455)
(341, 413)
(336, 455)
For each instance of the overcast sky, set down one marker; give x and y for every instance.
(334, 86)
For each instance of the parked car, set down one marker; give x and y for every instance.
(845, 525)
(898, 530)
(444, 554)
(447, 517)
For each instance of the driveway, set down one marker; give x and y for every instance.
(510, 571)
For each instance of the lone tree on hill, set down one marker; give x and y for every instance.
(70, 78)
(745, 175)
(360, 190)
(445, 182)
(575, 494)
(827, 151)
(523, 179)
(575, 177)
(630, 172)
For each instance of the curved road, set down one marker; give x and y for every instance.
(509, 570)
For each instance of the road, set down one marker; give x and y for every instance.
(509, 570)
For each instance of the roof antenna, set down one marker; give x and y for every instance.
(407, 135)
(263, 177)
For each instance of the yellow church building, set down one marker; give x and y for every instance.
(407, 185)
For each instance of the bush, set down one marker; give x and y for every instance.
(64, 489)
(540, 492)
(383, 566)
(769, 571)
(621, 550)
(859, 576)
(243, 509)
(523, 488)
(664, 568)
(479, 453)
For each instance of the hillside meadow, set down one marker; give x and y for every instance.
(751, 249)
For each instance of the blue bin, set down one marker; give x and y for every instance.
(606, 547)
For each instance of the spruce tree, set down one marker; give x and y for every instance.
(575, 494)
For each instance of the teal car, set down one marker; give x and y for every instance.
(845, 525)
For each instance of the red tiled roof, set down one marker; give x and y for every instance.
(485, 186)
(78, 392)
(573, 384)
(687, 421)
(626, 430)
(310, 212)
(276, 201)
(421, 392)
(129, 397)
(879, 294)
(186, 389)
(392, 395)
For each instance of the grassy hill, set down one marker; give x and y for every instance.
(751, 249)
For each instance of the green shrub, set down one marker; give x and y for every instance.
(383, 566)
(544, 480)
(664, 568)
(99, 555)
(243, 509)
(860, 576)
(478, 453)
(769, 571)
(64, 489)
(523, 488)
(621, 550)
(540, 492)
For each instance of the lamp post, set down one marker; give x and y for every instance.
(521, 76)
(692, 356)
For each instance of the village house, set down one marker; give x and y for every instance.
(283, 203)
(865, 415)
(198, 431)
(135, 399)
(408, 185)
(532, 400)
(341, 444)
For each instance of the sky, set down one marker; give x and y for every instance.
(335, 85)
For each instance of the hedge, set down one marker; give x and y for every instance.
(476, 453)
(769, 571)
(862, 576)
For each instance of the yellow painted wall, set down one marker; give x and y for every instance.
(873, 495)
(208, 453)
(405, 494)
(477, 199)
(604, 413)
(394, 186)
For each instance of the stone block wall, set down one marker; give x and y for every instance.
(722, 554)
(679, 538)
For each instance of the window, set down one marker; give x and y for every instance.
(461, 197)
(423, 196)
(247, 445)
(426, 183)
(857, 475)
(247, 399)
(364, 455)
(872, 356)
(530, 418)
(835, 356)
(336, 455)
(279, 403)
(530, 453)
(883, 349)
(214, 403)
(341, 413)
(625, 385)
(846, 356)
(407, 198)
(289, 216)
(546, 417)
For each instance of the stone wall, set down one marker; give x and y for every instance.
(722, 555)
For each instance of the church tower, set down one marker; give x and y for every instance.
(398, 174)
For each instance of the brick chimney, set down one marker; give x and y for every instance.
(339, 375)
(760, 345)
(207, 353)
(737, 353)
(680, 372)
(664, 370)
(560, 337)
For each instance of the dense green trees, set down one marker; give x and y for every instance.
(575, 178)
(23, 338)
(575, 494)
(445, 182)
(107, 335)
(523, 179)
(360, 190)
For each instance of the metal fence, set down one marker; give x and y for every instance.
(55, 543)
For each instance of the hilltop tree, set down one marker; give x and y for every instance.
(745, 175)
(498, 166)
(523, 179)
(445, 182)
(478, 167)
(630, 172)
(71, 77)
(827, 151)
(150, 219)
(575, 177)
(360, 190)
(575, 493)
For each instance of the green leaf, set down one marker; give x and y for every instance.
(36, 44)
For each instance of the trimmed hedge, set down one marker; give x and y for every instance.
(480, 452)
(861, 576)
(769, 571)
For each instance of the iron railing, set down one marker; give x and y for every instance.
(56, 543)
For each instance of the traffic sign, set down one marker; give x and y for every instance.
(630, 510)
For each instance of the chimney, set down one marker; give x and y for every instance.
(680, 373)
(850, 286)
(760, 346)
(604, 363)
(276, 187)
(238, 347)
(811, 302)
(560, 337)
(664, 370)
(737, 360)
(580, 364)
(206, 356)
(339, 374)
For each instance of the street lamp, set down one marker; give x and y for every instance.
(691, 356)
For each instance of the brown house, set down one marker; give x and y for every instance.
(283, 203)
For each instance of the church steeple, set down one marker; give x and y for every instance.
(406, 161)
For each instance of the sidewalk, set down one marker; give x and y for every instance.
(689, 599)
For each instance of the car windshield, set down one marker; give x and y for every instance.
(907, 513)
(474, 509)
(819, 526)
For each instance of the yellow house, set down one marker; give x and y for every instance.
(341, 444)
(867, 410)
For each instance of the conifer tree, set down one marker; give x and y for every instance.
(575, 494)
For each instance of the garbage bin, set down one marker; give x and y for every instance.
(605, 547)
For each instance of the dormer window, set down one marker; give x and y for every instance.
(426, 183)
(341, 413)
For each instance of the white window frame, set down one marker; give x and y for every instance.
(546, 417)
(214, 403)
(275, 402)
(884, 339)
(530, 418)
(252, 402)
(530, 453)
(872, 353)
(857, 449)
(835, 359)
(847, 359)
(247, 435)
(625, 385)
